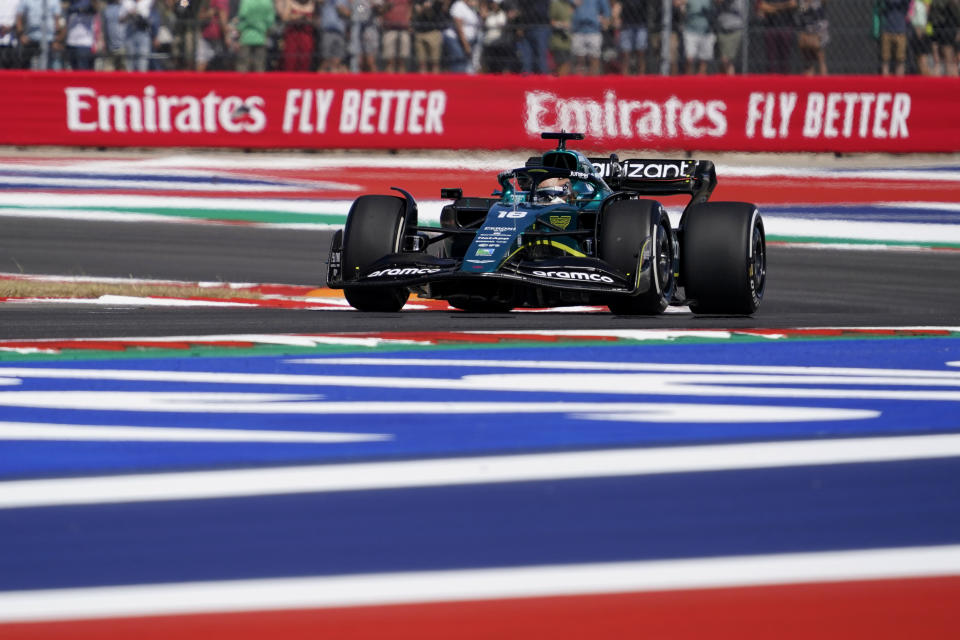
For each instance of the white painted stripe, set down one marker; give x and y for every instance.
(130, 280)
(289, 404)
(478, 584)
(169, 183)
(125, 216)
(139, 301)
(98, 201)
(476, 470)
(917, 204)
(92, 215)
(900, 376)
(62, 432)
(706, 382)
(293, 340)
(776, 225)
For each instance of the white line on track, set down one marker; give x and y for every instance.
(98, 201)
(777, 225)
(475, 470)
(65, 432)
(901, 376)
(477, 584)
(168, 183)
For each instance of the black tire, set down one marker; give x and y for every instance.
(626, 227)
(723, 258)
(373, 230)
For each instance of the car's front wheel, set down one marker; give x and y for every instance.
(374, 229)
(635, 238)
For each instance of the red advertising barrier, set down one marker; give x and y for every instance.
(378, 111)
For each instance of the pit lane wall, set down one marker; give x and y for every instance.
(378, 111)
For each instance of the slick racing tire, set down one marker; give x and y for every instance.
(373, 230)
(635, 238)
(723, 258)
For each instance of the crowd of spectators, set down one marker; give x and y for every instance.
(586, 37)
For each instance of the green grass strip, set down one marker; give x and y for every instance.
(862, 242)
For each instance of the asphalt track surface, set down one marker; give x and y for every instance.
(807, 287)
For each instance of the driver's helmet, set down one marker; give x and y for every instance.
(583, 190)
(553, 191)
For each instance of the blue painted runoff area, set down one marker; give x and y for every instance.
(913, 407)
(672, 516)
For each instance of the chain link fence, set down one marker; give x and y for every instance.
(768, 36)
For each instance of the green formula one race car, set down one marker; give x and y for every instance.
(562, 230)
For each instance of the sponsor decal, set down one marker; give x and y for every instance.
(663, 169)
(370, 111)
(481, 261)
(575, 275)
(580, 175)
(406, 271)
(649, 169)
(561, 222)
(492, 240)
(148, 112)
(835, 114)
(860, 114)
(484, 252)
(613, 117)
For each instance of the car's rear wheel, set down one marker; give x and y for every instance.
(373, 230)
(723, 259)
(635, 238)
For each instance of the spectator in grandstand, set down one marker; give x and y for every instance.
(81, 15)
(778, 20)
(113, 33)
(334, 19)
(629, 18)
(138, 41)
(499, 45)
(366, 19)
(253, 23)
(162, 25)
(699, 39)
(429, 19)
(561, 21)
(731, 21)
(813, 36)
(462, 37)
(944, 18)
(299, 33)
(893, 36)
(533, 29)
(918, 38)
(211, 46)
(9, 47)
(656, 33)
(41, 40)
(395, 25)
(589, 19)
(185, 33)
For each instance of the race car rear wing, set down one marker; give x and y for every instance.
(697, 178)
